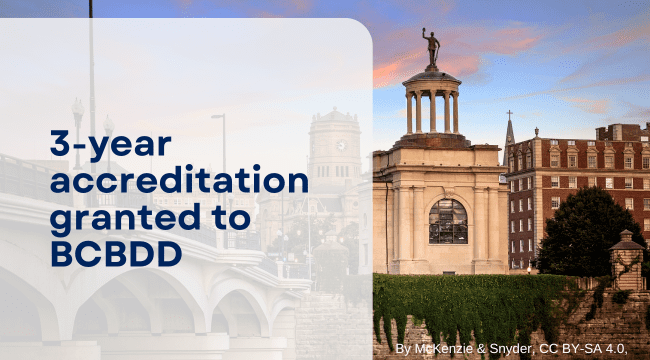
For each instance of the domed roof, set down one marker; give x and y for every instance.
(432, 76)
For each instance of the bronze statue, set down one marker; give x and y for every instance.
(434, 47)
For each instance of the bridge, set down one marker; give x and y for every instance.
(224, 300)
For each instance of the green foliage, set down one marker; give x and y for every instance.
(298, 234)
(581, 232)
(603, 282)
(501, 309)
(620, 297)
(350, 235)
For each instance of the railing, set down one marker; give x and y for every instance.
(130, 200)
(30, 180)
(296, 271)
(269, 266)
(204, 235)
(244, 240)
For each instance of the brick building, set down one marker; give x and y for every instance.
(543, 172)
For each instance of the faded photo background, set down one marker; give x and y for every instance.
(293, 96)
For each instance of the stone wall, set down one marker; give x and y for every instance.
(328, 328)
(614, 324)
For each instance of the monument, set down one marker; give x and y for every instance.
(438, 204)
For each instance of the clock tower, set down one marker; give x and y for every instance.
(335, 159)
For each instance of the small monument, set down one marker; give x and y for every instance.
(626, 259)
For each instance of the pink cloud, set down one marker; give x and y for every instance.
(402, 53)
(590, 106)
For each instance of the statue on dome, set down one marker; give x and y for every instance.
(434, 47)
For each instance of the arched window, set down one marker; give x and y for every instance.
(447, 223)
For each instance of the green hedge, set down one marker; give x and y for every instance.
(496, 309)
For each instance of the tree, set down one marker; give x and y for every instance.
(350, 235)
(580, 234)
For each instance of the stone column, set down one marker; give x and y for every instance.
(432, 112)
(409, 116)
(455, 94)
(447, 124)
(419, 229)
(418, 112)
(395, 223)
(480, 245)
(493, 218)
(404, 224)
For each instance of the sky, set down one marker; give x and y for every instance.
(565, 67)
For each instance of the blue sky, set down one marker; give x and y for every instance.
(565, 67)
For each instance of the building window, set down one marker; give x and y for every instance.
(629, 183)
(646, 162)
(521, 225)
(646, 224)
(521, 246)
(519, 163)
(573, 182)
(447, 223)
(644, 138)
(521, 263)
(629, 204)
(530, 224)
(512, 186)
(521, 205)
(572, 161)
(530, 244)
(511, 164)
(530, 182)
(529, 161)
(592, 181)
(609, 162)
(553, 142)
(512, 206)
(628, 162)
(571, 142)
(514, 250)
(555, 160)
(512, 227)
(555, 181)
(520, 187)
(646, 204)
(609, 183)
(591, 143)
(591, 162)
(646, 184)
(555, 202)
(530, 203)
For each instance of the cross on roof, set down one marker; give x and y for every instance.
(509, 113)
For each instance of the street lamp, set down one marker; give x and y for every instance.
(109, 127)
(529, 269)
(78, 112)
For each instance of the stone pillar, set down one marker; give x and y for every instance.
(624, 254)
(409, 116)
(395, 223)
(455, 94)
(418, 112)
(432, 112)
(404, 224)
(419, 228)
(480, 245)
(447, 124)
(493, 218)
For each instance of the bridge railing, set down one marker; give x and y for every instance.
(296, 271)
(244, 240)
(27, 179)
